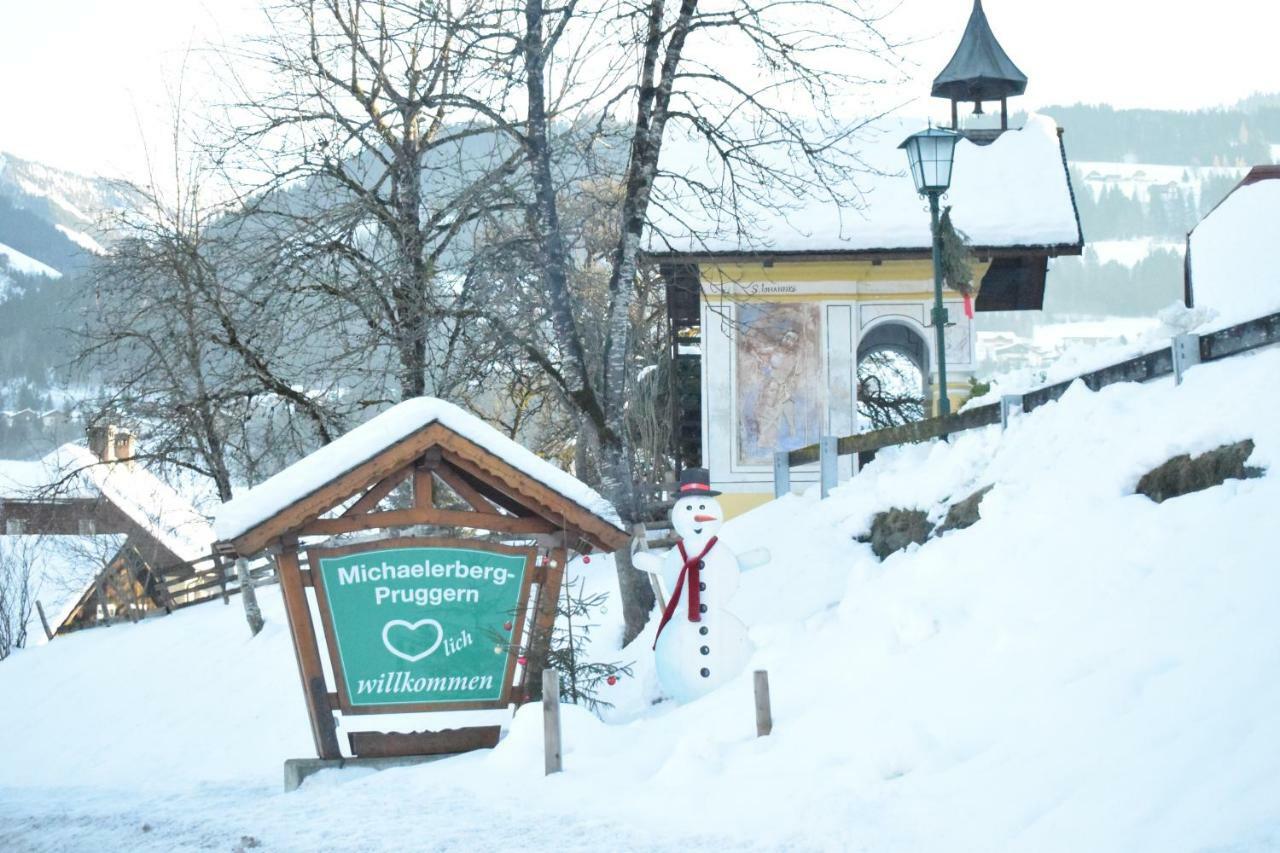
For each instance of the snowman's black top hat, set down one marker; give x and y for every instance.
(696, 481)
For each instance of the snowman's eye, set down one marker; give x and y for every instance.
(702, 506)
(688, 507)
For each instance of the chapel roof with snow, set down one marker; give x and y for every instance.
(1011, 194)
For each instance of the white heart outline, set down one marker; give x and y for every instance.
(412, 626)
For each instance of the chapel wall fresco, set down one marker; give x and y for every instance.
(780, 396)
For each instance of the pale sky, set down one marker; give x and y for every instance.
(78, 78)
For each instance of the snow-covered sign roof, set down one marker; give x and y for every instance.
(1231, 253)
(59, 570)
(1012, 193)
(72, 471)
(312, 473)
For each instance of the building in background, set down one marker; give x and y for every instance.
(771, 320)
(98, 531)
(1231, 253)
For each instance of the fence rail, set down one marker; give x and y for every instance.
(213, 576)
(1184, 352)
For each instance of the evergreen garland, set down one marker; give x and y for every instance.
(957, 258)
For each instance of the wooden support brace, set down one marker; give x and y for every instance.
(369, 501)
(310, 669)
(438, 517)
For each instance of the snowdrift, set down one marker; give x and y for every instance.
(1083, 669)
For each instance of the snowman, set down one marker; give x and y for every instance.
(700, 645)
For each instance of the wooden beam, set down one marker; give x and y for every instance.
(549, 503)
(447, 742)
(424, 487)
(380, 490)
(438, 517)
(551, 722)
(549, 585)
(307, 652)
(456, 480)
(485, 485)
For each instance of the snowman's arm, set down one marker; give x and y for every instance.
(651, 564)
(753, 559)
(646, 561)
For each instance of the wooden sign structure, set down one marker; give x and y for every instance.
(395, 608)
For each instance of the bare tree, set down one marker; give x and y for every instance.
(889, 389)
(756, 86)
(180, 337)
(17, 599)
(367, 186)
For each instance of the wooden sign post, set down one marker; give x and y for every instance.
(422, 622)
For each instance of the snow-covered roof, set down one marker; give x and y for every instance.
(312, 472)
(1012, 193)
(62, 568)
(1232, 251)
(72, 471)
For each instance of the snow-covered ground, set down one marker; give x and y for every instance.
(1082, 670)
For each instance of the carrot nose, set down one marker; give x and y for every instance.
(704, 518)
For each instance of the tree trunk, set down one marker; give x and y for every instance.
(252, 613)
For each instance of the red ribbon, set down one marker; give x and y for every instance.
(692, 568)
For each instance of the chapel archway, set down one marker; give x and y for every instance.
(893, 375)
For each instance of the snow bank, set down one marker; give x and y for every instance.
(1013, 192)
(1083, 669)
(375, 435)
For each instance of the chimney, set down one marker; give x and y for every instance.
(102, 442)
(126, 444)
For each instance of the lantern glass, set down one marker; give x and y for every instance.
(930, 154)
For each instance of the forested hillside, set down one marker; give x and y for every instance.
(1143, 178)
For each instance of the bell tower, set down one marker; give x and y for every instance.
(980, 71)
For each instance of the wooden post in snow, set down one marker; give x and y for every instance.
(551, 720)
(764, 714)
(44, 620)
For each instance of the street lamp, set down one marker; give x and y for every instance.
(930, 153)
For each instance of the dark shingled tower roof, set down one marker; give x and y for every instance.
(980, 69)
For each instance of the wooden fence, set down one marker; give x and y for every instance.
(214, 576)
(1184, 352)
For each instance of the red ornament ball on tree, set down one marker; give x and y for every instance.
(506, 626)
(612, 680)
(522, 660)
(586, 559)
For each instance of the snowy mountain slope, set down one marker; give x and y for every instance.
(60, 197)
(52, 217)
(1083, 669)
(18, 262)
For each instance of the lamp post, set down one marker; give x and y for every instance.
(930, 153)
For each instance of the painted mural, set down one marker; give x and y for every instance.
(779, 379)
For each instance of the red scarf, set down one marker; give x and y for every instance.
(692, 567)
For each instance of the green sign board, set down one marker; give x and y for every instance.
(418, 622)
